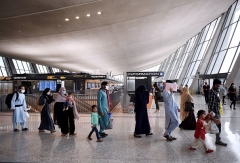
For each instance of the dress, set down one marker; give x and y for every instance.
(142, 122)
(46, 119)
(102, 103)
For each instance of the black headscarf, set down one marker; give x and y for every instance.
(46, 91)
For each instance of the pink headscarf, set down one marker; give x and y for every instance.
(61, 97)
(72, 102)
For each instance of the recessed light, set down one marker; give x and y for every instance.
(88, 15)
(59, 25)
(67, 19)
(19, 31)
(77, 17)
(99, 13)
(101, 17)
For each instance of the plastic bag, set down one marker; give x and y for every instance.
(213, 129)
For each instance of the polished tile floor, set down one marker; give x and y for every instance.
(120, 145)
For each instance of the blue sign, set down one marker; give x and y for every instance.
(161, 73)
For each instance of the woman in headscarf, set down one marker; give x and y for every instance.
(59, 114)
(187, 111)
(72, 114)
(46, 120)
(232, 95)
(142, 122)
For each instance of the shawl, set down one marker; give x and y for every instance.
(185, 97)
(73, 103)
(61, 97)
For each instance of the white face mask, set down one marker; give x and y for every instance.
(48, 93)
(64, 92)
(23, 90)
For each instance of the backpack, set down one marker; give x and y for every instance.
(9, 99)
(38, 107)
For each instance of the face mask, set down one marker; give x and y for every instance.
(64, 92)
(233, 85)
(23, 90)
(48, 93)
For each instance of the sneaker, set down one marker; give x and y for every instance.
(16, 130)
(209, 151)
(99, 140)
(234, 108)
(190, 148)
(89, 138)
(25, 129)
(220, 143)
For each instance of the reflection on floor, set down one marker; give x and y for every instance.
(120, 145)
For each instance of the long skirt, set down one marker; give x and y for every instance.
(189, 123)
(46, 119)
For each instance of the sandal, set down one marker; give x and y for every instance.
(137, 136)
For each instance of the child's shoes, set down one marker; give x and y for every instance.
(209, 151)
(190, 148)
(89, 138)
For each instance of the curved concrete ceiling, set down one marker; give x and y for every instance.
(129, 35)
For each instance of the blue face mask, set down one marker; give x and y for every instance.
(64, 92)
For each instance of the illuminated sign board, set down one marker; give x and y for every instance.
(160, 73)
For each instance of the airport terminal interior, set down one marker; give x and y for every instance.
(97, 52)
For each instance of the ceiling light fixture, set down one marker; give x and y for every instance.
(77, 17)
(67, 19)
(99, 13)
(88, 15)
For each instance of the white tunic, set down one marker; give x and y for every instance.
(20, 115)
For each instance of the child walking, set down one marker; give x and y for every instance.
(94, 122)
(200, 132)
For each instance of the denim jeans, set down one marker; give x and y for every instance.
(96, 131)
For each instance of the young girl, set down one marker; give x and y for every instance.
(94, 121)
(200, 132)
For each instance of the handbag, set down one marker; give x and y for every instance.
(110, 124)
(213, 129)
(189, 107)
(221, 109)
(38, 107)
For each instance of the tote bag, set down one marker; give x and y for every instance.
(213, 129)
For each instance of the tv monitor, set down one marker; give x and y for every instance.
(89, 85)
(43, 84)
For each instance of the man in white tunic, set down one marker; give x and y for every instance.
(171, 112)
(18, 106)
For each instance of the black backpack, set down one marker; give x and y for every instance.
(9, 99)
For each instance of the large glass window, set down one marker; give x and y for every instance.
(3, 69)
(154, 68)
(205, 38)
(42, 69)
(56, 70)
(22, 66)
(227, 47)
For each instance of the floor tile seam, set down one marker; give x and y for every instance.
(200, 149)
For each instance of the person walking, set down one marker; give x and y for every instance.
(142, 122)
(171, 112)
(206, 89)
(187, 111)
(59, 116)
(18, 106)
(102, 102)
(156, 94)
(94, 122)
(232, 93)
(223, 92)
(214, 106)
(46, 120)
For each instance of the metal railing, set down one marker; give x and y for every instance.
(83, 101)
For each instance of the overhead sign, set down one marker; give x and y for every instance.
(160, 73)
(57, 77)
